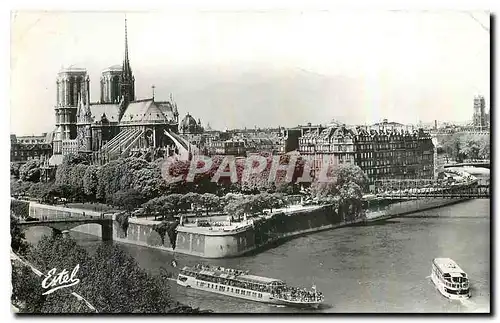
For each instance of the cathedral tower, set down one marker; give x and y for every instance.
(110, 84)
(72, 84)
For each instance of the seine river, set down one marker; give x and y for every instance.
(376, 268)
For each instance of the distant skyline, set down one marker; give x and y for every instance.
(264, 69)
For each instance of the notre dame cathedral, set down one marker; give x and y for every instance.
(118, 125)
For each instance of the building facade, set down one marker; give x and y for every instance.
(333, 144)
(26, 148)
(384, 150)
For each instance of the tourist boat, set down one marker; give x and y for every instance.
(241, 284)
(450, 279)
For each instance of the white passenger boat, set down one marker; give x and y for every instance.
(450, 279)
(237, 283)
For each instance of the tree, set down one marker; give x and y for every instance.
(159, 206)
(18, 187)
(30, 171)
(59, 252)
(174, 201)
(237, 207)
(451, 145)
(90, 181)
(19, 209)
(191, 198)
(470, 146)
(148, 181)
(14, 169)
(41, 190)
(209, 201)
(346, 190)
(484, 147)
(18, 241)
(110, 280)
(128, 200)
(275, 200)
(26, 289)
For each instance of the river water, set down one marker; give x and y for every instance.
(375, 268)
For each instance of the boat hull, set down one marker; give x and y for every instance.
(441, 288)
(246, 294)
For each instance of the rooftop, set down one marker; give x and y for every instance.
(447, 265)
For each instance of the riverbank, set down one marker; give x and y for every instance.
(257, 234)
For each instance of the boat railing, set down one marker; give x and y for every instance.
(297, 295)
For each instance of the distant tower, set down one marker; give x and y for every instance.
(479, 116)
(72, 84)
(127, 80)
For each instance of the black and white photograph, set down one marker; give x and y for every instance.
(250, 161)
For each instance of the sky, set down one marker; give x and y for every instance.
(262, 68)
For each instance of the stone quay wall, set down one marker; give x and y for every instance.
(272, 229)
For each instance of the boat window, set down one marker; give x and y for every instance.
(182, 279)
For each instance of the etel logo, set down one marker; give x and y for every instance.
(57, 281)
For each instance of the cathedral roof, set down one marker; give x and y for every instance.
(110, 110)
(145, 110)
(116, 67)
(73, 69)
(167, 108)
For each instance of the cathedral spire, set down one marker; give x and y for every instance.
(127, 92)
(127, 71)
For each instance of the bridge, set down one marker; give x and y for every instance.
(475, 163)
(61, 219)
(417, 189)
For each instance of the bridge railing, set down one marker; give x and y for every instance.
(42, 212)
(469, 189)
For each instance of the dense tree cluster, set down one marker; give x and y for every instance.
(344, 190)
(14, 169)
(110, 280)
(461, 146)
(30, 171)
(166, 188)
(254, 204)
(249, 175)
(18, 241)
(19, 209)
